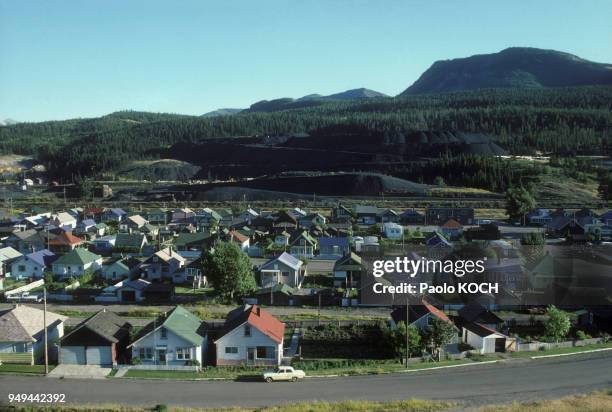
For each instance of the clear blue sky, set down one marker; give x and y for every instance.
(79, 58)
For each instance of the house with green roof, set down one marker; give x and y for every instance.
(302, 244)
(192, 241)
(177, 338)
(76, 263)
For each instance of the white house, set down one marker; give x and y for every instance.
(33, 265)
(22, 334)
(176, 339)
(285, 269)
(65, 221)
(393, 230)
(251, 336)
(76, 263)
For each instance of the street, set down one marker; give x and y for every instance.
(470, 386)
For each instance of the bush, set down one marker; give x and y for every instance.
(581, 335)
(136, 361)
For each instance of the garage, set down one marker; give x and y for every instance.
(99, 340)
(72, 355)
(99, 355)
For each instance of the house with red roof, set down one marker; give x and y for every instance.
(419, 315)
(452, 229)
(250, 336)
(64, 242)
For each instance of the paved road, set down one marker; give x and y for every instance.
(473, 385)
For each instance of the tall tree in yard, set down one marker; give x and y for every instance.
(558, 324)
(397, 340)
(438, 334)
(519, 201)
(229, 269)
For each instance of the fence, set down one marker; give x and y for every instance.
(175, 368)
(534, 346)
(25, 288)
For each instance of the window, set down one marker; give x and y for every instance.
(231, 349)
(21, 268)
(265, 352)
(145, 353)
(247, 330)
(285, 274)
(183, 353)
(164, 333)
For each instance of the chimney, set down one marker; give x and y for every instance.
(258, 311)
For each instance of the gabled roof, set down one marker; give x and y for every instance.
(333, 241)
(63, 217)
(137, 220)
(482, 330)
(130, 240)
(11, 329)
(236, 236)
(303, 235)
(42, 257)
(184, 239)
(78, 256)
(179, 321)
(65, 239)
(366, 210)
(416, 312)
(167, 254)
(106, 324)
(474, 311)
(8, 253)
(258, 318)
(289, 260)
(22, 323)
(410, 212)
(451, 224)
(349, 259)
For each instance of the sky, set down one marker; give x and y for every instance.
(63, 59)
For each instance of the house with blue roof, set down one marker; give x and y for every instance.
(333, 247)
(33, 265)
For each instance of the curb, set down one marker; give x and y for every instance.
(570, 354)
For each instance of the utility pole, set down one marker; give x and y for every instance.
(319, 310)
(45, 328)
(407, 342)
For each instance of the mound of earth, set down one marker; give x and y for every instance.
(164, 169)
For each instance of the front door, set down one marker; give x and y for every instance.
(251, 356)
(161, 356)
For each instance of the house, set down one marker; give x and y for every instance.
(8, 255)
(388, 215)
(22, 334)
(207, 218)
(76, 263)
(193, 273)
(420, 316)
(474, 312)
(606, 218)
(281, 240)
(104, 244)
(279, 294)
(333, 247)
(303, 245)
(113, 215)
(412, 217)
(193, 241)
(341, 213)
(366, 215)
(28, 241)
(438, 246)
(486, 340)
(240, 239)
(100, 340)
(348, 271)
(64, 242)
(285, 269)
(64, 220)
(120, 268)
(248, 215)
(312, 219)
(439, 215)
(86, 226)
(33, 265)
(177, 338)
(183, 216)
(130, 242)
(393, 230)
(250, 336)
(129, 291)
(164, 264)
(451, 229)
(132, 224)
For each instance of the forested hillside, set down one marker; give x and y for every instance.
(560, 121)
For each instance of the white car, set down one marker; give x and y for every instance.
(284, 373)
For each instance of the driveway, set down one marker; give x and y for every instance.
(79, 372)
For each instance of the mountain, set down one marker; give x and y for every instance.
(8, 122)
(222, 112)
(315, 99)
(517, 67)
(353, 94)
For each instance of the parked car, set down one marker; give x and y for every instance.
(284, 373)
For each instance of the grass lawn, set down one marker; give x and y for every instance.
(29, 369)
(368, 366)
(211, 372)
